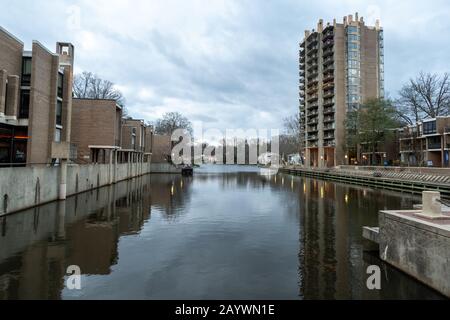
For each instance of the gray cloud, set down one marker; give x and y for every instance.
(228, 63)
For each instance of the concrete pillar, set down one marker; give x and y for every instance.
(63, 180)
(115, 167)
(3, 80)
(110, 167)
(308, 158)
(12, 107)
(61, 221)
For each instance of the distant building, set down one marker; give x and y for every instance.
(162, 149)
(133, 134)
(95, 123)
(427, 143)
(341, 66)
(35, 102)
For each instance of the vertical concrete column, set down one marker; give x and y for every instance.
(308, 158)
(61, 221)
(110, 167)
(3, 80)
(63, 180)
(12, 107)
(115, 167)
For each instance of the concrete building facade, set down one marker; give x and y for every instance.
(95, 122)
(35, 102)
(341, 66)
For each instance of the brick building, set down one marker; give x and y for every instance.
(427, 143)
(35, 102)
(95, 123)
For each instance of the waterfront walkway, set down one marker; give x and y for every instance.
(414, 180)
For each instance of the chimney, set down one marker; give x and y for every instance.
(350, 18)
(345, 21)
(356, 16)
(377, 24)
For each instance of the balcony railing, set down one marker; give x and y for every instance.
(328, 52)
(313, 97)
(328, 94)
(328, 119)
(434, 146)
(329, 110)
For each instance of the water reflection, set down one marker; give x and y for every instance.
(226, 233)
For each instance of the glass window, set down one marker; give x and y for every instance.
(353, 37)
(58, 135)
(26, 71)
(60, 85)
(352, 29)
(24, 104)
(429, 127)
(59, 113)
(352, 46)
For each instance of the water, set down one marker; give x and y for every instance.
(226, 233)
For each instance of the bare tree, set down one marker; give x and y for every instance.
(172, 121)
(427, 96)
(89, 86)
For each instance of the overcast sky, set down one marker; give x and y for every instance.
(231, 64)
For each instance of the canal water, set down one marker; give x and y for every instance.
(229, 232)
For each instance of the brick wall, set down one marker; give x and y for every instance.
(42, 119)
(94, 122)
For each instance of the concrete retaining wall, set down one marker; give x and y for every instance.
(23, 188)
(418, 247)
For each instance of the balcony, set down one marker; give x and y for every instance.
(331, 143)
(329, 127)
(328, 119)
(434, 146)
(328, 35)
(329, 110)
(314, 68)
(328, 68)
(313, 145)
(328, 94)
(327, 44)
(312, 122)
(313, 51)
(329, 85)
(328, 77)
(328, 52)
(312, 76)
(329, 136)
(313, 90)
(313, 106)
(313, 98)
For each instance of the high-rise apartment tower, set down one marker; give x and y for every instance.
(341, 66)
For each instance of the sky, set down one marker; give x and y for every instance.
(231, 64)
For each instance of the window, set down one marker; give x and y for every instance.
(353, 55)
(353, 81)
(26, 71)
(60, 85)
(58, 135)
(352, 29)
(353, 37)
(59, 113)
(24, 104)
(352, 46)
(429, 127)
